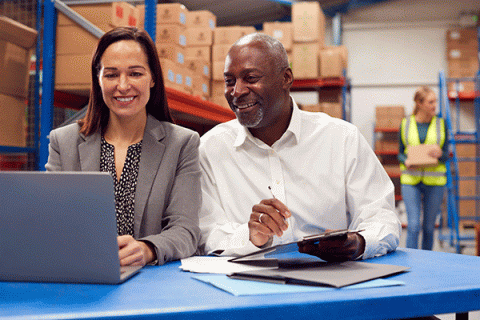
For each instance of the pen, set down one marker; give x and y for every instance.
(270, 188)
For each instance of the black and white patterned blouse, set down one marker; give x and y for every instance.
(126, 186)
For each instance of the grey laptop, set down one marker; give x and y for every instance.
(59, 227)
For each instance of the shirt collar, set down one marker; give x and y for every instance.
(294, 127)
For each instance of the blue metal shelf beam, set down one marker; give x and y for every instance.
(350, 5)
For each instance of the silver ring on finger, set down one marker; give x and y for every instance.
(260, 218)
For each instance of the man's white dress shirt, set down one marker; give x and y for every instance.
(322, 169)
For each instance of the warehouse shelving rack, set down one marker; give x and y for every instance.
(186, 109)
(320, 84)
(456, 137)
(35, 148)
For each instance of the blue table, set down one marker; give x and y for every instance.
(437, 283)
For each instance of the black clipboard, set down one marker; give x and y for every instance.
(257, 256)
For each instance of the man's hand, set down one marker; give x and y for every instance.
(134, 253)
(268, 218)
(342, 248)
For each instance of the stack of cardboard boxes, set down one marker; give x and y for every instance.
(283, 32)
(200, 26)
(193, 50)
(462, 57)
(311, 59)
(75, 45)
(387, 123)
(16, 44)
(467, 185)
(223, 38)
(308, 38)
(171, 43)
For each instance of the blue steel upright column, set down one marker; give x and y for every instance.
(151, 17)
(46, 106)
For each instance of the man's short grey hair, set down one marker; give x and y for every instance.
(272, 45)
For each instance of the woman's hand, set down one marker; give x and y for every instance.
(435, 151)
(134, 253)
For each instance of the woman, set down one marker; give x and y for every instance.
(128, 132)
(423, 186)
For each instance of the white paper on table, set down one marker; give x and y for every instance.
(209, 264)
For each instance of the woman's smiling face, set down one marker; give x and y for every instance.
(125, 79)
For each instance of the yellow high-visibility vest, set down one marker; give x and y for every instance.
(432, 176)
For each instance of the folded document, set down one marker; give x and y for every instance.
(338, 274)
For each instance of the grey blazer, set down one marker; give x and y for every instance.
(167, 198)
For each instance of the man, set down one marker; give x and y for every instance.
(321, 172)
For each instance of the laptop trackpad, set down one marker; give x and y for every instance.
(128, 271)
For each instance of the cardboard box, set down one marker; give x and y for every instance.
(389, 117)
(462, 67)
(219, 52)
(218, 68)
(305, 64)
(199, 36)
(72, 73)
(172, 75)
(17, 33)
(125, 15)
(171, 52)
(76, 40)
(386, 145)
(330, 94)
(467, 208)
(462, 37)
(467, 168)
(308, 22)
(167, 13)
(201, 19)
(229, 35)
(218, 94)
(333, 109)
(171, 33)
(201, 86)
(97, 14)
(466, 150)
(467, 188)
(199, 67)
(311, 107)
(418, 155)
(16, 42)
(187, 80)
(331, 63)
(12, 121)
(462, 86)
(282, 31)
(203, 52)
(462, 54)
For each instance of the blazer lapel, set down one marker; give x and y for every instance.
(152, 153)
(89, 152)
